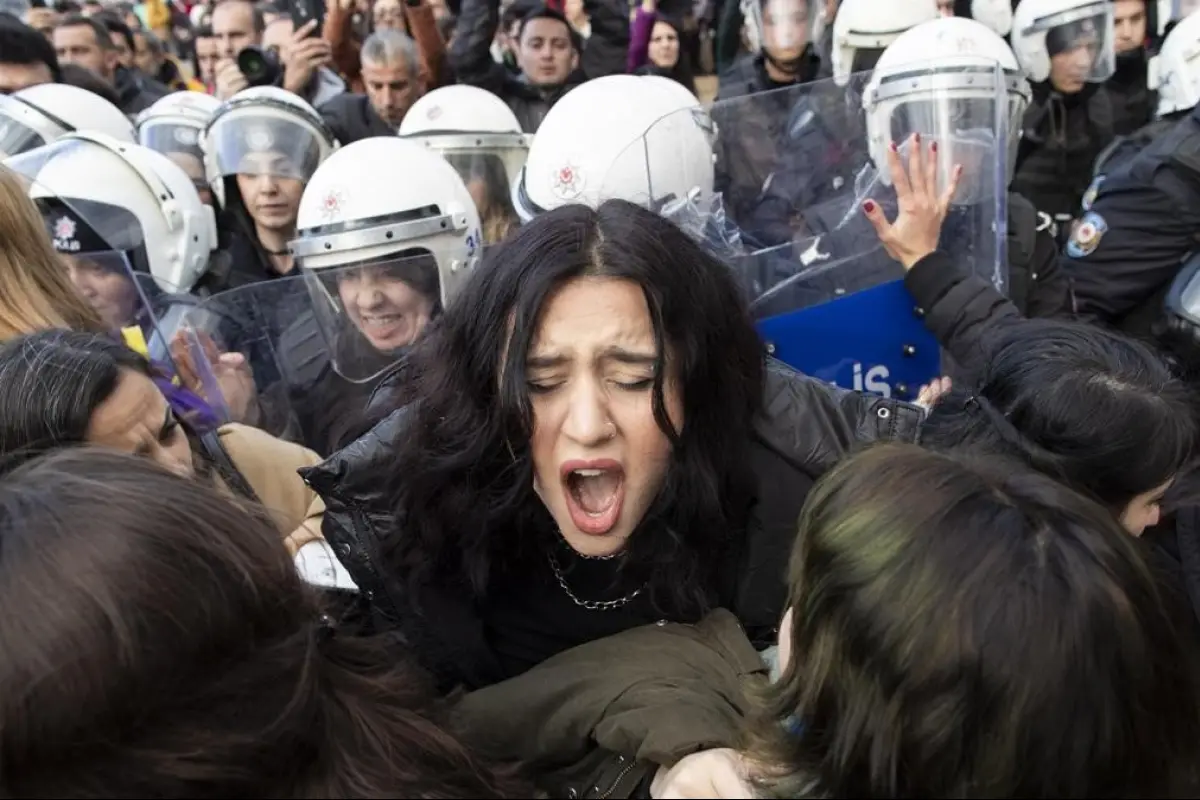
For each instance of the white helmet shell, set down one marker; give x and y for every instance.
(996, 14)
(871, 25)
(946, 50)
(362, 205)
(178, 231)
(52, 110)
(267, 104)
(194, 108)
(585, 153)
(459, 108)
(1033, 19)
(1175, 71)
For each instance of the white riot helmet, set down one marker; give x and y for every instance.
(480, 136)
(1174, 11)
(1175, 71)
(658, 148)
(264, 130)
(864, 29)
(996, 14)
(123, 205)
(173, 126)
(954, 81)
(40, 114)
(386, 231)
(1045, 28)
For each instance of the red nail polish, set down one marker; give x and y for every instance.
(917, 138)
(869, 205)
(933, 147)
(892, 147)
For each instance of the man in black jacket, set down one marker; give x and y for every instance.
(89, 43)
(390, 73)
(551, 55)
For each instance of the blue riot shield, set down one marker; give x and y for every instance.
(793, 168)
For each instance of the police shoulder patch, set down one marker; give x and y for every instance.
(1087, 235)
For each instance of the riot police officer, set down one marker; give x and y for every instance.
(1145, 214)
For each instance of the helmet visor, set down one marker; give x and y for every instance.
(16, 136)
(264, 145)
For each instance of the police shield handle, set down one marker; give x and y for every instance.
(232, 374)
(922, 211)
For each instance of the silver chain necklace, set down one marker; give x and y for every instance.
(591, 605)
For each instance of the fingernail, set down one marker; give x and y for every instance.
(933, 147)
(917, 138)
(869, 205)
(892, 146)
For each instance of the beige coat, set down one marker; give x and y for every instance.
(269, 465)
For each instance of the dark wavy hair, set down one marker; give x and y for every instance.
(682, 73)
(464, 473)
(1092, 408)
(157, 641)
(969, 627)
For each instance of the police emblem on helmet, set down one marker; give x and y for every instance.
(568, 182)
(185, 136)
(64, 228)
(259, 139)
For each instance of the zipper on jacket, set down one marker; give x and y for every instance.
(628, 768)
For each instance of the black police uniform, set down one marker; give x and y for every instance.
(1141, 225)
(1061, 137)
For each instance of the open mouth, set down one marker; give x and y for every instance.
(595, 493)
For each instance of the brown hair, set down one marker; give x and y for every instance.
(35, 291)
(975, 629)
(156, 641)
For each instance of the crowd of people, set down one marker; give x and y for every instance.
(515, 398)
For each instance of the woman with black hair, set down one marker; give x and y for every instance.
(656, 46)
(588, 440)
(62, 388)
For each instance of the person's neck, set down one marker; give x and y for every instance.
(778, 75)
(275, 242)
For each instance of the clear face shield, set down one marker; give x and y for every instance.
(17, 133)
(102, 252)
(1080, 44)
(179, 142)
(795, 166)
(488, 163)
(962, 113)
(369, 314)
(261, 140)
(669, 169)
(785, 28)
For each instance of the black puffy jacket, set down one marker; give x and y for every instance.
(470, 57)
(805, 428)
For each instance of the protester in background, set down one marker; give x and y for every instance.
(42, 18)
(391, 82)
(414, 18)
(88, 43)
(153, 60)
(550, 53)
(26, 58)
(236, 25)
(655, 46)
(205, 57)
